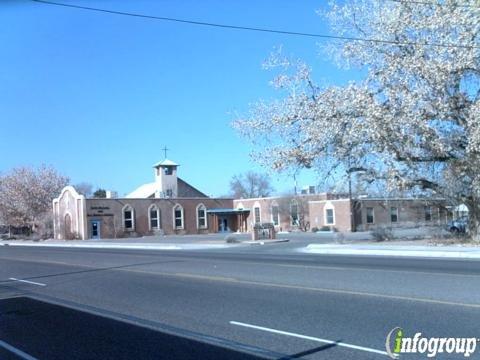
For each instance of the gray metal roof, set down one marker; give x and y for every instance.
(165, 162)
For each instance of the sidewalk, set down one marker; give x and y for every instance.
(144, 245)
(119, 245)
(453, 252)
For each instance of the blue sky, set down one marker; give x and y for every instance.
(97, 95)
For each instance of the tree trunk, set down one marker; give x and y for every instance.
(474, 219)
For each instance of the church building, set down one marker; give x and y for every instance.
(168, 205)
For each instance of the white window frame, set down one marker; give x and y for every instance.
(130, 208)
(366, 215)
(150, 208)
(257, 206)
(255, 215)
(204, 208)
(178, 206)
(326, 216)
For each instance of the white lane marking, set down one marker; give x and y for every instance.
(28, 282)
(16, 351)
(338, 343)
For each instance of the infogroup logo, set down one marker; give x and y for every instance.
(397, 343)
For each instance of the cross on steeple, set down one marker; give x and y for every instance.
(165, 151)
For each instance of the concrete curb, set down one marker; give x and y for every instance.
(265, 242)
(137, 246)
(410, 251)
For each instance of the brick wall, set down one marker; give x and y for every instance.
(341, 214)
(284, 205)
(411, 213)
(109, 212)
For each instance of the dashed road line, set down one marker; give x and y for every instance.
(27, 281)
(311, 338)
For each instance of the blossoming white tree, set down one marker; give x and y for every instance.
(26, 195)
(413, 120)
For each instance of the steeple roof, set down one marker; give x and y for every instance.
(165, 162)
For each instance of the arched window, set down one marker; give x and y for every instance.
(201, 216)
(154, 217)
(294, 213)
(178, 217)
(128, 217)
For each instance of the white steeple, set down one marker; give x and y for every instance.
(166, 179)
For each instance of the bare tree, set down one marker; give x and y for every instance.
(84, 188)
(250, 185)
(295, 208)
(412, 121)
(26, 195)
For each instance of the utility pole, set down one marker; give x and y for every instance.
(350, 200)
(352, 220)
(295, 183)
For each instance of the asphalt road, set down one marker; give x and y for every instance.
(114, 304)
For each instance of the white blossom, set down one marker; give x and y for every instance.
(413, 120)
(26, 194)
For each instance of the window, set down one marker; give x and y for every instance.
(128, 218)
(428, 213)
(329, 217)
(201, 216)
(294, 212)
(394, 214)
(168, 170)
(178, 217)
(275, 215)
(257, 215)
(370, 215)
(154, 217)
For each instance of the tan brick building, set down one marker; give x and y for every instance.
(337, 212)
(170, 205)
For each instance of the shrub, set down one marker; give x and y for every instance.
(340, 238)
(382, 234)
(314, 229)
(325, 228)
(44, 227)
(231, 239)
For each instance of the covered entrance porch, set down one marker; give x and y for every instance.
(228, 220)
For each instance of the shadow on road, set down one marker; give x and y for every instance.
(91, 270)
(50, 331)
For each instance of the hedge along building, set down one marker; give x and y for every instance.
(168, 205)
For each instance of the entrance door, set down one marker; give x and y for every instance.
(95, 228)
(223, 224)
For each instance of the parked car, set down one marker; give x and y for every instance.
(459, 225)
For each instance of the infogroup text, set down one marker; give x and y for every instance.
(397, 343)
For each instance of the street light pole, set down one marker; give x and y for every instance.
(352, 218)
